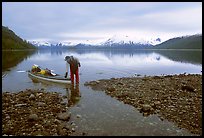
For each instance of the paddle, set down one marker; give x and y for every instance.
(4, 75)
(22, 71)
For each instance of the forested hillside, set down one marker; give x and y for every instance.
(185, 42)
(11, 41)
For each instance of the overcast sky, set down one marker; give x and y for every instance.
(96, 21)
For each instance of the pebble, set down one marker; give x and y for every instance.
(32, 97)
(73, 129)
(57, 121)
(19, 105)
(78, 116)
(33, 117)
(146, 107)
(64, 116)
(41, 104)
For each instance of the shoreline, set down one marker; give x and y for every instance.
(36, 113)
(177, 98)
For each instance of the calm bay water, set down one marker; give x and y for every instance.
(101, 114)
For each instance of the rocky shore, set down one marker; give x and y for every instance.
(177, 98)
(36, 113)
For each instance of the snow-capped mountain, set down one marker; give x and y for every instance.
(40, 43)
(131, 40)
(49, 44)
(125, 39)
(114, 40)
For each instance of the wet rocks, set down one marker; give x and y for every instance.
(34, 113)
(111, 89)
(177, 98)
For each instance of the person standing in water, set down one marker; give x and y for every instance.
(74, 68)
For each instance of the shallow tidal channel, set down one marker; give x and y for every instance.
(101, 114)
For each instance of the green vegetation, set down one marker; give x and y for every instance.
(12, 58)
(11, 41)
(185, 42)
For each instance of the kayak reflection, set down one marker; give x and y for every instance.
(72, 91)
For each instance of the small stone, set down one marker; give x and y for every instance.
(146, 107)
(32, 97)
(8, 117)
(84, 133)
(19, 105)
(78, 116)
(73, 129)
(47, 124)
(33, 117)
(63, 103)
(145, 114)
(188, 88)
(41, 104)
(57, 121)
(39, 94)
(64, 116)
(111, 89)
(97, 81)
(64, 96)
(157, 103)
(120, 83)
(180, 113)
(67, 127)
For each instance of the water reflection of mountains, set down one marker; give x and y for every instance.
(194, 57)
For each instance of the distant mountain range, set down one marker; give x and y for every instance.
(113, 42)
(183, 42)
(11, 41)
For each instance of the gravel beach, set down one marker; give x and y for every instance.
(177, 98)
(36, 113)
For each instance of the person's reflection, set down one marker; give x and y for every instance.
(75, 94)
